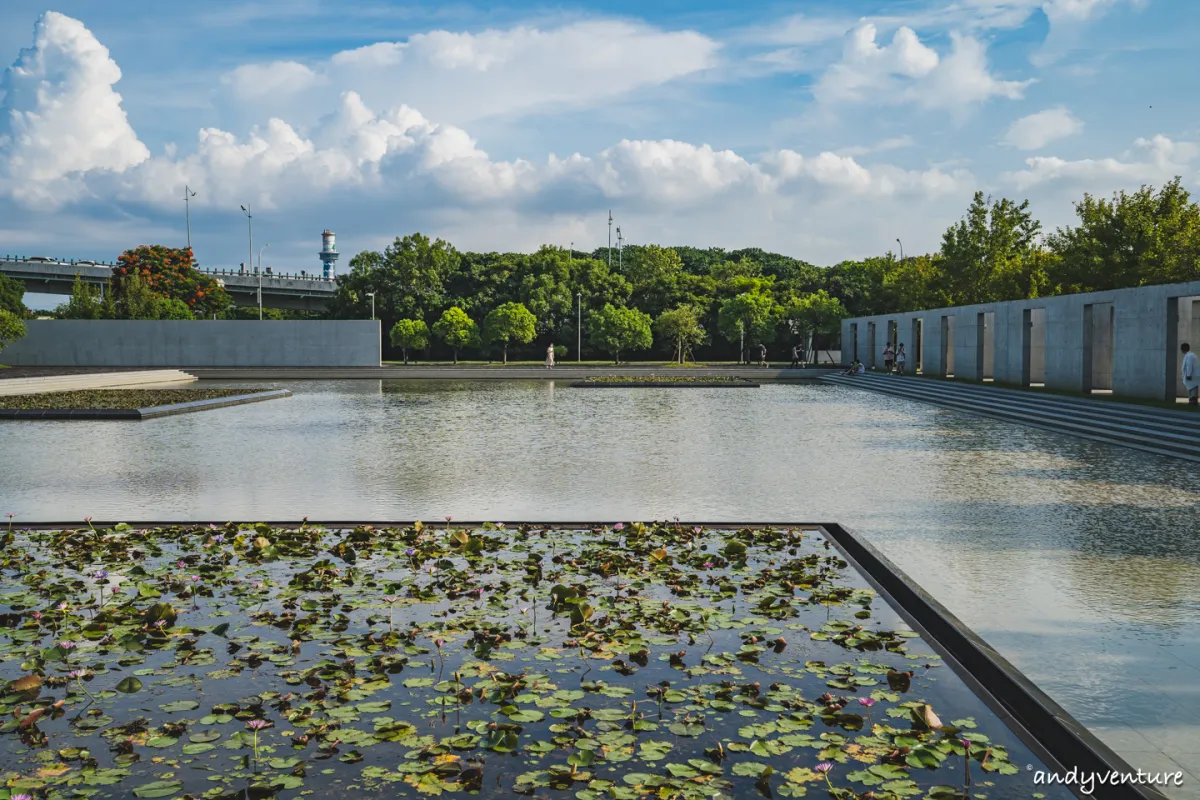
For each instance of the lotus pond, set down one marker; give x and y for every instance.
(615, 662)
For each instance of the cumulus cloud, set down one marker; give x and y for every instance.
(1038, 130)
(61, 116)
(377, 161)
(1154, 160)
(461, 77)
(906, 70)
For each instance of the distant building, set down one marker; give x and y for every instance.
(329, 253)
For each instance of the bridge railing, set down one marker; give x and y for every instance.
(303, 275)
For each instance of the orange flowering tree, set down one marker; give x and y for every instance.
(172, 273)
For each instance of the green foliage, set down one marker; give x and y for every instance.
(682, 327)
(12, 296)
(751, 313)
(408, 278)
(614, 329)
(410, 334)
(174, 308)
(511, 322)
(457, 330)
(12, 328)
(1132, 240)
(990, 254)
(87, 302)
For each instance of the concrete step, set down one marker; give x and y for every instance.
(1075, 403)
(1136, 436)
(1170, 424)
(1172, 442)
(94, 380)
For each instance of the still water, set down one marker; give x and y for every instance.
(1079, 561)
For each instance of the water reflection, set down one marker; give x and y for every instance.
(1076, 559)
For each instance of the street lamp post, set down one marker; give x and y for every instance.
(610, 239)
(372, 296)
(901, 248)
(260, 252)
(620, 250)
(742, 344)
(579, 326)
(187, 211)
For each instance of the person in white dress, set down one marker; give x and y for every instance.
(1191, 374)
(550, 356)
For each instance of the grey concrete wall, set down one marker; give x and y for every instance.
(1145, 336)
(197, 343)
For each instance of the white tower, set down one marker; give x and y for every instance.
(329, 253)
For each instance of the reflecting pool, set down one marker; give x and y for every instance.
(1077, 560)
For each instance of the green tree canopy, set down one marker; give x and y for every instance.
(750, 312)
(613, 329)
(511, 322)
(990, 254)
(12, 328)
(410, 334)
(457, 330)
(682, 327)
(12, 295)
(1138, 238)
(87, 302)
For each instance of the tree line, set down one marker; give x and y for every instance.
(689, 303)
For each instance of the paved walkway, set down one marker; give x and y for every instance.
(1155, 430)
(94, 380)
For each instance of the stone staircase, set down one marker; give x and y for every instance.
(1154, 430)
(95, 380)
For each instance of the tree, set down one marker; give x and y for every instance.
(749, 315)
(681, 326)
(409, 280)
(12, 328)
(86, 302)
(457, 330)
(816, 314)
(614, 329)
(511, 322)
(135, 300)
(1132, 240)
(12, 295)
(410, 334)
(173, 308)
(989, 255)
(171, 273)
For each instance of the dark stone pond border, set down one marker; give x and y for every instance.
(141, 413)
(662, 385)
(1051, 733)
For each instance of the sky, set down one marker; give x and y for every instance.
(823, 130)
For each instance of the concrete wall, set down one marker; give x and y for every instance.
(198, 343)
(1147, 325)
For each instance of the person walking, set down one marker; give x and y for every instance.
(901, 359)
(762, 355)
(1191, 374)
(888, 356)
(795, 356)
(550, 356)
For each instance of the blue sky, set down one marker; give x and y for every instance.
(824, 130)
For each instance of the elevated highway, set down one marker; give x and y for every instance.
(298, 292)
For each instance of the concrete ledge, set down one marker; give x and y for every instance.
(93, 380)
(398, 373)
(1046, 727)
(141, 413)
(664, 385)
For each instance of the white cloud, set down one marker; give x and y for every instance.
(1075, 10)
(906, 70)
(61, 116)
(461, 77)
(1038, 130)
(1154, 160)
(254, 82)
